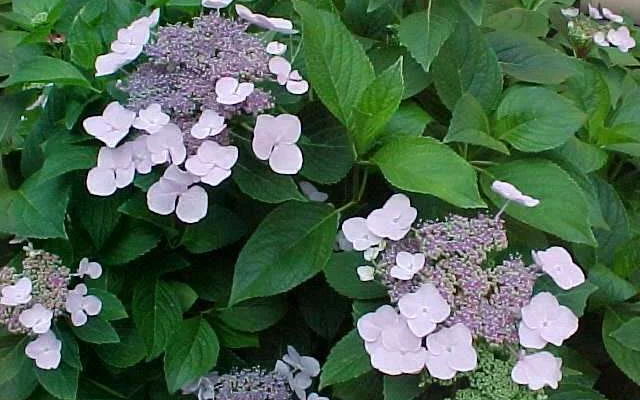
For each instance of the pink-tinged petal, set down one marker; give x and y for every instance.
(196, 166)
(387, 362)
(178, 154)
(245, 89)
(562, 327)
(435, 343)
(91, 305)
(288, 128)
(179, 177)
(366, 273)
(96, 126)
(101, 181)
(226, 85)
(397, 204)
(107, 64)
(421, 326)
(79, 318)
(215, 176)
(460, 334)
(162, 196)
(410, 305)
(192, 205)
(413, 362)
(244, 13)
(227, 156)
(281, 25)
(368, 328)
(600, 38)
(463, 359)
(520, 373)
(401, 273)
(594, 12)
(263, 137)
(276, 48)
(118, 116)
(536, 312)
(378, 223)
(49, 360)
(310, 366)
(73, 303)
(404, 259)
(125, 176)
(438, 366)
(286, 159)
(530, 338)
(297, 87)
(281, 67)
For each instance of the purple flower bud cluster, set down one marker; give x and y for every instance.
(184, 63)
(243, 384)
(485, 298)
(49, 279)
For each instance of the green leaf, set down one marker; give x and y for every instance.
(414, 77)
(112, 308)
(589, 90)
(191, 353)
(35, 210)
(376, 106)
(233, 339)
(253, 315)
(11, 109)
(584, 156)
(185, 294)
(96, 330)
(424, 165)
(615, 215)
(98, 216)
(12, 359)
(61, 382)
(327, 140)
(529, 59)
(219, 228)
(347, 360)
(423, 33)
(62, 159)
(367, 386)
(467, 64)
(470, 124)
(575, 392)
(474, 9)
(341, 275)
(323, 309)
(132, 241)
(627, 334)
(46, 69)
(403, 387)
(36, 11)
(534, 119)
(337, 66)
(20, 386)
(409, 120)
(626, 258)
(156, 313)
(554, 188)
(259, 182)
(519, 20)
(84, 42)
(627, 359)
(292, 244)
(575, 298)
(129, 352)
(612, 289)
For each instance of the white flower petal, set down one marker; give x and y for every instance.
(162, 196)
(365, 273)
(91, 305)
(297, 87)
(276, 48)
(217, 4)
(215, 176)
(107, 64)
(79, 318)
(192, 205)
(286, 159)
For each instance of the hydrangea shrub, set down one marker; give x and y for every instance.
(316, 199)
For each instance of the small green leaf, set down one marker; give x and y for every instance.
(191, 353)
(410, 120)
(471, 125)
(61, 382)
(403, 387)
(219, 228)
(612, 289)
(130, 351)
(12, 358)
(96, 330)
(292, 244)
(337, 66)
(253, 315)
(112, 308)
(424, 165)
(156, 313)
(424, 32)
(376, 106)
(529, 59)
(520, 21)
(342, 277)
(259, 182)
(46, 69)
(554, 188)
(534, 119)
(627, 334)
(323, 309)
(185, 294)
(131, 241)
(627, 359)
(467, 64)
(347, 360)
(11, 108)
(66, 158)
(98, 216)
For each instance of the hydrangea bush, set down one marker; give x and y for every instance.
(317, 199)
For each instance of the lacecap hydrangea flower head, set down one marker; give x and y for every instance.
(455, 299)
(291, 379)
(34, 298)
(601, 27)
(191, 84)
